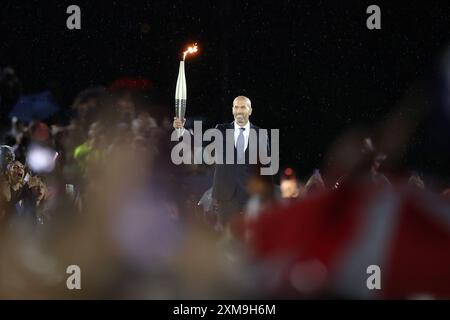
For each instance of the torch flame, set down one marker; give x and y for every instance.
(190, 50)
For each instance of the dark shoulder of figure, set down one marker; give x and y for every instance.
(221, 126)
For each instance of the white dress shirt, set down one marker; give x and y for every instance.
(246, 133)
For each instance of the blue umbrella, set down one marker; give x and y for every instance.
(35, 106)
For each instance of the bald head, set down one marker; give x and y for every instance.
(242, 100)
(242, 109)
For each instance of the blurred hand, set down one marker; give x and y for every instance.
(177, 123)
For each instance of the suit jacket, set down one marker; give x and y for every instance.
(230, 180)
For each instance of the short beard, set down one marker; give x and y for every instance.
(243, 120)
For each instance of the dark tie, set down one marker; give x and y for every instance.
(240, 146)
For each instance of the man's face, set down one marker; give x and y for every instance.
(38, 190)
(289, 188)
(17, 171)
(241, 111)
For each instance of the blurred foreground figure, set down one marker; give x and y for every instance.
(290, 187)
(323, 246)
(446, 194)
(6, 157)
(415, 181)
(315, 184)
(367, 170)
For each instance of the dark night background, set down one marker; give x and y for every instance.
(311, 68)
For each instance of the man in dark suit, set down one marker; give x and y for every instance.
(229, 191)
